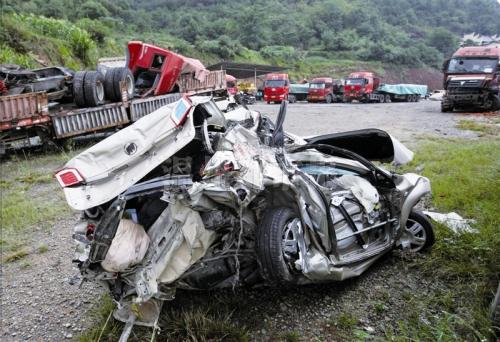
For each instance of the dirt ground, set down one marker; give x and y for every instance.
(42, 299)
(405, 121)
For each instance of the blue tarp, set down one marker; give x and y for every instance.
(404, 89)
(296, 88)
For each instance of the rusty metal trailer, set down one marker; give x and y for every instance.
(26, 121)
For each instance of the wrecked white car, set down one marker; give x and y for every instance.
(195, 198)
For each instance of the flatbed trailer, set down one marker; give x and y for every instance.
(26, 120)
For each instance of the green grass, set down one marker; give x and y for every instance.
(465, 176)
(291, 336)
(195, 324)
(16, 255)
(42, 248)
(20, 211)
(485, 129)
(346, 321)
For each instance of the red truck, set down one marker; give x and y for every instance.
(276, 88)
(364, 86)
(325, 89)
(114, 96)
(472, 78)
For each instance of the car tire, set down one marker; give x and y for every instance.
(269, 245)
(78, 90)
(94, 88)
(125, 75)
(425, 229)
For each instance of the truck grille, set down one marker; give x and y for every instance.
(463, 90)
(464, 83)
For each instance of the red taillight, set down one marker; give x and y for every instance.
(69, 177)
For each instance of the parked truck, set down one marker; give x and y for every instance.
(298, 92)
(472, 79)
(366, 87)
(325, 89)
(276, 88)
(111, 97)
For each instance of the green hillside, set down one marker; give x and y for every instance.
(309, 37)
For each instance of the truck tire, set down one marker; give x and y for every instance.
(445, 108)
(381, 99)
(417, 98)
(94, 88)
(292, 98)
(108, 84)
(408, 98)
(329, 99)
(387, 98)
(78, 91)
(495, 103)
(125, 75)
(271, 234)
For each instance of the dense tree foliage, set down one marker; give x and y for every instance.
(404, 32)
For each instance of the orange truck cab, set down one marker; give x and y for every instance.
(276, 88)
(361, 86)
(324, 89)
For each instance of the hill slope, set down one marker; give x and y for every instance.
(310, 37)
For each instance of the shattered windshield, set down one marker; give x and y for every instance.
(275, 83)
(353, 81)
(317, 86)
(472, 65)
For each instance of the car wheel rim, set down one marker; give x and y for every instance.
(99, 89)
(289, 243)
(414, 236)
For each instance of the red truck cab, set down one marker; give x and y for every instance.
(359, 86)
(276, 87)
(472, 78)
(324, 89)
(157, 70)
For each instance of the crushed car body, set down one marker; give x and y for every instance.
(193, 197)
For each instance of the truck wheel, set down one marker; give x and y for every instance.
(125, 75)
(78, 91)
(109, 89)
(329, 99)
(276, 245)
(446, 109)
(496, 102)
(381, 98)
(268, 102)
(417, 98)
(292, 98)
(387, 98)
(94, 88)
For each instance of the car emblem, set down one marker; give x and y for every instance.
(130, 148)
